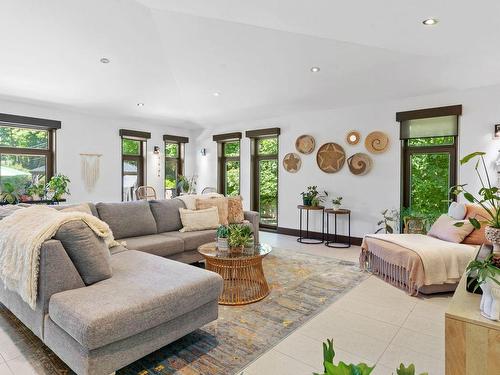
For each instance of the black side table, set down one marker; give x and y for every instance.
(335, 243)
(307, 239)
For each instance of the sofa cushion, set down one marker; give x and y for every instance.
(166, 214)
(196, 220)
(235, 210)
(144, 292)
(220, 203)
(128, 219)
(192, 240)
(155, 244)
(88, 252)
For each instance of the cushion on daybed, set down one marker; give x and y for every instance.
(457, 210)
(444, 228)
(144, 292)
(128, 219)
(476, 237)
(88, 252)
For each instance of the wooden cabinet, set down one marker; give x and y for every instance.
(472, 341)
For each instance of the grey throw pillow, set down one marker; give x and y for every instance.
(88, 252)
(166, 213)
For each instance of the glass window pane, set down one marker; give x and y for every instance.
(24, 138)
(131, 147)
(430, 127)
(435, 141)
(267, 146)
(170, 174)
(232, 148)
(22, 170)
(268, 192)
(172, 150)
(429, 183)
(130, 167)
(232, 178)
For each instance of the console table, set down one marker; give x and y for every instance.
(472, 341)
(307, 239)
(336, 243)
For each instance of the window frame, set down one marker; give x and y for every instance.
(49, 153)
(223, 160)
(255, 159)
(179, 160)
(141, 159)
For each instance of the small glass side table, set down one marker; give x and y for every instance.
(307, 239)
(336, 243)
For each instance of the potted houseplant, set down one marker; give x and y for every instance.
(58, 186)
(337, 202)
(487, 276)
(343, 368)
(312, 197)
(488, 198)
(239, 237)
(389, 221)
(222, 235)
(10, 193)
(36, 190)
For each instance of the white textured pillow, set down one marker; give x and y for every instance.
(444, 228)
(194, 220)
(457, 210)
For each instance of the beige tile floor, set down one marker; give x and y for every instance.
(374, 323)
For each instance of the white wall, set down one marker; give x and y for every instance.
(365, 195)
(84, 133)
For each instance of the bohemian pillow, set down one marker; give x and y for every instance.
(220, 203)
(444, 228)
(235, 210)
(199, 219)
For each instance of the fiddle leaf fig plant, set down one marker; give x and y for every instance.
(487, 197)
(343, 368)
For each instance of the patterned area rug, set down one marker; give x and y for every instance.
(301, 285)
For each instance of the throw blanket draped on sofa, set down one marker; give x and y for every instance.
(22, 235)
(443, 262)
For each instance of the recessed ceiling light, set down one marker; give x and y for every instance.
(104, 60)
(140, 104)
(216, 93)
(430, 21)
(315, 69)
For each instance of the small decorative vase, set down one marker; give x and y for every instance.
(306, 201)
(490, 301)
(336, 207)
(222, 244)
(493, 235)
(35, 197)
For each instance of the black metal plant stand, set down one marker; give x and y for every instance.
(307, 239)
(336, 243)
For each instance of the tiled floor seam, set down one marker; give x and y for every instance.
(296, 359)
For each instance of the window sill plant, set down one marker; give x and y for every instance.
(351, 369)
(58, 186)
(487, 276)
(10, 193)
(488, 198)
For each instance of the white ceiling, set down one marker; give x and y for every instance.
(173, 54)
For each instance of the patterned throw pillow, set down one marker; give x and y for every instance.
(221, 204)
(235, 210)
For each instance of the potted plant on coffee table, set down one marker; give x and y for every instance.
(487, 276)
(222, 235)
(488, 198)
(239, 237)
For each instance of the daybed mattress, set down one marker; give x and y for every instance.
(399, 266)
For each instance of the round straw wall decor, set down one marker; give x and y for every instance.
(377, 142)
(360, 164)
(330, 157)
(305, 144)
(292, 162)
(353, 137)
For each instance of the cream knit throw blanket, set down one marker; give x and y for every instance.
(21, 237)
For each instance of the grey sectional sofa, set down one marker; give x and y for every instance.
(140, 301)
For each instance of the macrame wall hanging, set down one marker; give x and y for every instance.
(90, 170)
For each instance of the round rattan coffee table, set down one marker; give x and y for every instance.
(244, 280)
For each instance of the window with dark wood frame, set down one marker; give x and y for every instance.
(228, 163)
(264, 158)
(133, 150)
(174, 162)
(27, 150)
(429, 151)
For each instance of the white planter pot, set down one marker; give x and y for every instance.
(222, 244)
(490, 301)
(493, 235)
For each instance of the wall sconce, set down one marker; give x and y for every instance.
(203, 151)
(156, 150)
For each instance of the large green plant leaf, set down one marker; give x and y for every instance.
(467, 158)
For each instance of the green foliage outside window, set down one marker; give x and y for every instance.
(23, 138)
(170, 174)
(232, 149)
(232, 178)
(131, 147)
(267, 146)
(268, 191)
(435, 141)
(171, 150)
